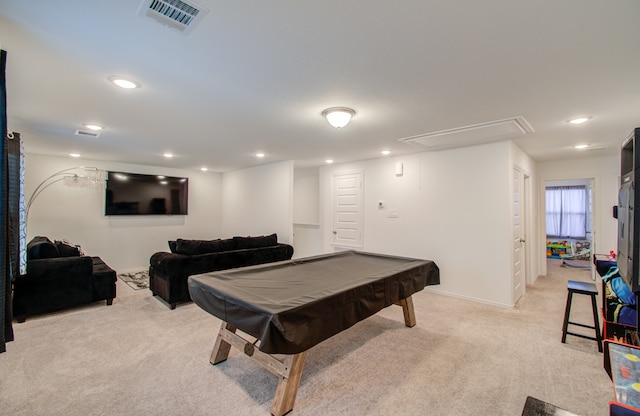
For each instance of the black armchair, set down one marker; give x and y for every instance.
(58, 277)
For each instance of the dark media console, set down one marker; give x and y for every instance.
(622, 341)
(628, 212)
(628, 221)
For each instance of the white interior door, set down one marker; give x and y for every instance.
(519, 226)
(348, 210)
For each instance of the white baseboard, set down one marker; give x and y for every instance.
(455, 295)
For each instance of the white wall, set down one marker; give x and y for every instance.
(124, 243)
(306, 196)
(454, 208)
(259, 201)
(605, 172)
(307, 233)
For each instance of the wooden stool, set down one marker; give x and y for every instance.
(582, 288)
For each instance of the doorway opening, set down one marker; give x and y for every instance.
(569, 222)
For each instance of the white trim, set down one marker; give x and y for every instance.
(432, 289)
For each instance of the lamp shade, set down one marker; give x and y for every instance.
(338, 117)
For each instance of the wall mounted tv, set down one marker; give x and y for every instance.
(139, 194)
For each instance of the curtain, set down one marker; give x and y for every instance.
(22, 208)
(6, 330)
(566, 211)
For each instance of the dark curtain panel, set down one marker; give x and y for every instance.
(6, 330)
(13, 157)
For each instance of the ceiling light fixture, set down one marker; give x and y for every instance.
(579, 120)
(338, 117)
(204, 169)
(124, 83)
(328, 161)
(386, 152)
(168, 155)
(74, 154)
(260, 155)
(581, 146)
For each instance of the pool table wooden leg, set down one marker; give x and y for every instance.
(407, 310)
(221, 348)
(288, 369)
(288, 385)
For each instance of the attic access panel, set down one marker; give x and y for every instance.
(492, 131)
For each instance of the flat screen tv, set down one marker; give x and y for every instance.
(139, 194)
(628, 215)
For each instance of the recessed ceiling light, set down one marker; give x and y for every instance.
(74, 154)
(168, 155)
(579, 120)
(204, 169)
(259, 155)
(124, 83)
(581, 146)
(328, 161)
(94, 127)
(385, 152)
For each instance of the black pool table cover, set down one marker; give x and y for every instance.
(293, 305)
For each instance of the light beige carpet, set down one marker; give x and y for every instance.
(138, 357)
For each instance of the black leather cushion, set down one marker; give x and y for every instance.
(242, 243)
(41, 248)
(172, 246)
(67, 250)
(193, 247)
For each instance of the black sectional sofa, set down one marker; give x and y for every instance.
(59, 277)
(168, 272)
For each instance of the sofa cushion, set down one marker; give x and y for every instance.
(242, 243)
(66, 249)
(41, 248)
(193, 247)
(172, 245)
(63, 270)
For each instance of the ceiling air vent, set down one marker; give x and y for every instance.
(180, 15)
(87, 133)
(492, 131)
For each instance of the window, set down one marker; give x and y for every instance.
(566, 211)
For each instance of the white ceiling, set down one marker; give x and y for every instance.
(255, 76)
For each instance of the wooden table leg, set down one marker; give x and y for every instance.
(288, 385)
(221, 347)
(407, 310)
(288, 369)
